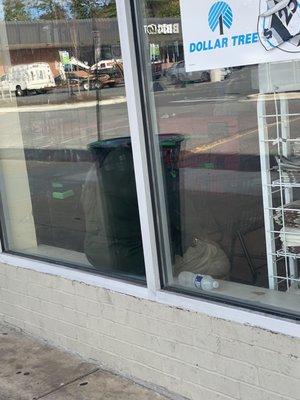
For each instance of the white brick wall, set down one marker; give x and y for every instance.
(185, 352)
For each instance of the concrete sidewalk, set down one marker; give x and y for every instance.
(31, 370)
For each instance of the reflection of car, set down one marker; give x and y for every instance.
(25, 78)
(177, 73)
(90, 81)
(113, 68)
(108, 77)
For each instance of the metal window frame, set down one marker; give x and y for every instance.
(149, 218)
(148, 105)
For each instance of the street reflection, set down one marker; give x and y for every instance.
(62, 96)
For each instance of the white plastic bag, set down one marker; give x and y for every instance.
(204, 258)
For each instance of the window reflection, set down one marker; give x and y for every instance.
(221, 226)
(62, 97)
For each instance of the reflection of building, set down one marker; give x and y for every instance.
(41, 40)
(164, 34)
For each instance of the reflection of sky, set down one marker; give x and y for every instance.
(35, 12)
(1, 11)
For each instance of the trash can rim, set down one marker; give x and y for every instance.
(165, 139)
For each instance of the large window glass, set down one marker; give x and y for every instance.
(224, 146)
(67, 179)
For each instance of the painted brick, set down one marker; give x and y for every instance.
(234, 331)
(111, 313)
(185, 352)
(85, 291)
(276, 342)
(40, 292)
(65, 342)
(6, 319)
(11, 297)
(255, 336)
(32, 303)
(86, 351)
(66, 285)
(286, 364)
(57, 326)
(11, 310)
(63, 313)
(85, 305)
(144, 373)
(45, 280)
(88, 337)
(196, 392)
(102, 326)
(16, 273)
(33, 329)
(160, 312)
(204, 378)
(204, 340)
(167, 330)
(115, 347)
(150, 359)
(14, 285)
(237, 370)
(68, 300)
(280, 384)
(248, 392)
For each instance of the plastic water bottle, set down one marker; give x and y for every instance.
(204, 282)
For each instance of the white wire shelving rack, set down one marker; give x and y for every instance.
(283, 265)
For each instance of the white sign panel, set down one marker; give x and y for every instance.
(230, 33)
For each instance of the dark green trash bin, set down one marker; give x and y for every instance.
(170, 145)
(113, 240)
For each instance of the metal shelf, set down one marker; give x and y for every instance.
(290, 185)
(283, 266)
(282, 253)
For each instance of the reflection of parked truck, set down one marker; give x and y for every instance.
(110, 72)
(24, 78)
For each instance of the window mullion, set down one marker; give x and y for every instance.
(133, 94)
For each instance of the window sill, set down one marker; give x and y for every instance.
(178, 300)
(285, 302)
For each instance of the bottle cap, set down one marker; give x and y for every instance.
(216, 284)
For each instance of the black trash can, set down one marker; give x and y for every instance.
(113, 233)
(170, 146)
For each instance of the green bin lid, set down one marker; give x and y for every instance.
(170, 140)
(111, 143)
(165, 140)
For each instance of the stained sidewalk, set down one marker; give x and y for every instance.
(31, 370)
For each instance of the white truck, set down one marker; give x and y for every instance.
(25, 78)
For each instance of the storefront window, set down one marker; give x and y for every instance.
(227, 183)
(67, 179)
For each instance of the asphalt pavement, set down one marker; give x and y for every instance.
(202, 112)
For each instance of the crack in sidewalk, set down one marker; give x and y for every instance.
(66, 384)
